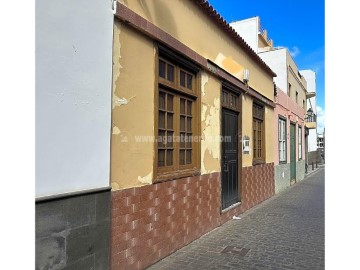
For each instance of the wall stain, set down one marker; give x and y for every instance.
(147, 179)
(230, 65)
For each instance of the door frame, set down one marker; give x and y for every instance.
(293, 181)
(231, 89)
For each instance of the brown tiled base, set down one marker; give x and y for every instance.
(151, 222)
(257, 184)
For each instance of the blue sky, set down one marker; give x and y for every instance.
(298, 25)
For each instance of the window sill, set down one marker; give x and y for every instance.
(258, 162)
(230, 207)
(162, 177)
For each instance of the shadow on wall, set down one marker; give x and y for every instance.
(162, 13)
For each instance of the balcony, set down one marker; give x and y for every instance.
(310, 119)
(264, 35)
(310, 95)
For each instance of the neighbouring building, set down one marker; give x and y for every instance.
(193, 139)
(289, 118)
(73, 126)
(313, 155)
(321, 144)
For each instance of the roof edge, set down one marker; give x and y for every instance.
(225, 26)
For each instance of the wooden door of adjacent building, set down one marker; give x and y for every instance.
(292, 153)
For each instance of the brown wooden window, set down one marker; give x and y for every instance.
(230, 100)
(258, 133)
(177, 121)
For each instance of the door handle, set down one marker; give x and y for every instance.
(226, 167)
(226, 164)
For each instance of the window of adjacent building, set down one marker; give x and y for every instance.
(258, 132)
(289, 89)
(297, 97)
(282, 140)
(304, 104)
(300, 142)
(177, 119)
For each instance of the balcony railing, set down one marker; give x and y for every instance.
(265, 35)
(311, 118)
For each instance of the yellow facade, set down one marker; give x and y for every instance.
(210, 124)
(247, 130)
(132, 109)
(135, 84)
(209, 41)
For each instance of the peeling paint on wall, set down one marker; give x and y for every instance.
(116, 130)
(147, 179)
(132, 154)
(114, 186)
(204, 80)
(121, 101)
(210, 161)
(210, 124)
(116, 62)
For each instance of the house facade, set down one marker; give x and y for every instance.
(290, 99)
(192, 140)
(313, 155)
(73, 123)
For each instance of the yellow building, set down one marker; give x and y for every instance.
(192, 128)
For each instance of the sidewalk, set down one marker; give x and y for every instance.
(310, 170)
(284, 232)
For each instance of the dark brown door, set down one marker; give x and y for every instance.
(229, 160)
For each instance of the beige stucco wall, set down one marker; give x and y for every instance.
(261, 42)
(247, 128)
(210, 123)
(181, 19)
(134, 88)
(269, 135)
(132, 108)
(247, 103)
(298, 84)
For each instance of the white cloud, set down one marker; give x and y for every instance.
(294, 51)
(320, 119)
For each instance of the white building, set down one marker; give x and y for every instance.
(310, 77)
(291, 104)
(73, 123)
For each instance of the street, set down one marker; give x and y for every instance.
(285, 232)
